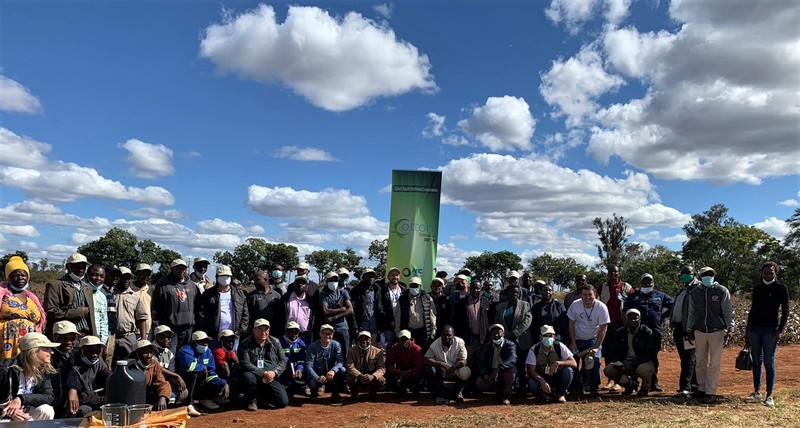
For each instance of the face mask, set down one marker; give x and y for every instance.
(708, 281)
(414, 292)
(201, 348)
(224, 281)
(276, 274)
(646, 290)
(89, 362)
(499, 342)
(305, 275)
(364, 348)
(333, 286)
(94, 287)
(548, 341)
(460, 287)
(290, 340)
(75, 278)
(141, 364)
(763, 280)
(17, 290)
(686, 278)
(487, 294)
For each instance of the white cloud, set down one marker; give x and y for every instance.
(148, 160)
(450, 258)
(28, 245)
(256, 230)
(220, 226)
(434, 127)
(456, 140)
(384, 9)
(574, 13)
(657, 215)
(147, 212)
(503, 123)
(304, 154)
(335, 63)
(81, 238)
(653, 235)
(64, 181)
(677, 238)
(19, 230)
(790, 203)
(14, 97)
(720, 104)
(774, 226)
(572, 86)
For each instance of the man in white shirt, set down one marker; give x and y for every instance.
(588, 322)
(446, 360)
(550, 366)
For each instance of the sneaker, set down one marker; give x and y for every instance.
(756, 396)
(506, 402)
(209, 404)
(191, 411)
(459, 398)
(769, 402)
(442, 401)
(252, 406)
(562, 399)
(682, 393)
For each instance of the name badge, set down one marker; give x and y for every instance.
(260, 364)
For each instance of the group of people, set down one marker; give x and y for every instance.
(205, 343)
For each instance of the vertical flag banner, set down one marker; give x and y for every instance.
(414, 224)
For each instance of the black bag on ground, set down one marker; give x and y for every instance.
(744, 361)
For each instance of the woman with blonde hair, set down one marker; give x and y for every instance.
(25, 383)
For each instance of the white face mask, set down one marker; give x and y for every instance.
(768, 282)
(414, 292)
(75, 278)
(333, 286)
(224, 281)
(201, 348)
(499, 342)
(364, 348)
(646, 290)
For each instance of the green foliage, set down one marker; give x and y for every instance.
(559, 271)
(378, 250)
(659, 261)
(7, 257)
(256, 254)
(613, 235)
(325, 261)
(116, 247)
(491, 266)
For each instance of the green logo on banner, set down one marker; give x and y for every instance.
(404, 226)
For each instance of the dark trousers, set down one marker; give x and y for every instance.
(420, 336)
(608, 342)
(333, 386)
(343, 337)
(181, 336)
(503, 386)
(522, 372)
(437, 383)
(688, 379)
(273, 393)
(197, 387)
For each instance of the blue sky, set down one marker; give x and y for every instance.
(200, 124)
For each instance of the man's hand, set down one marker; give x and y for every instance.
(330, 375)
(365, 378)
(226, 391)
(322, 379)
(495, 374)
(298, 374)
(554, 368)
(545, 386)
(162, 403)
(181, 384)
(573, 347)
(73, 402)
(777, 336)
(269, 376)
(690, 337)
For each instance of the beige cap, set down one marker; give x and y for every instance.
(365, 333)
(707, 269)
(261, 322)
(439, 280)
(547, 329)
(76, 258)
(292, 325)
(404, 333)
(343, 271)
(368, 271)
(461, 276)
(142, 344)
(647, 275)
(201, 260)
(500, 326)
(303, 266)
(226, 333)
(91, 341)
(199, 335)
(143, 266)
(330, 275)
(633, 311)
(415, 280)
(124, 271)
(393, 269)
(178, 262)
(540, 282)
(64, 327)
(513, 274)
(326, 327)
(224, 270)
(162, 329)
(36, 340)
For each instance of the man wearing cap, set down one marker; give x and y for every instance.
(89, 373)
(131, 315)
(515, 316)
(336, 308)
(634, 355)
(343, 275)
(498, 365)
(166, 359)
(70, 298)
(158, 391)
(225, 355)
(365, 366)
(550, 365)
(366, 297)
(302, 270)
(441, 304)
(199, 277)
(141, 286)
(588, 322)
(277, 280)
(512, 279)
(325, 364)
(613, 294)
(25, 381)
(471, 322)
(710, 322)
(223, 307)
(655, 307)
(418, 314)
(195, 363)
(389, 318)
(262, 363)
(264, 302)
(446, 288)
(174, 303)
(404, 365)
(300, 307)
(294, 349)
(445, 362)
(63, 358)
(460, 289)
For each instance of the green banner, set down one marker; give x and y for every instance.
(414, 224)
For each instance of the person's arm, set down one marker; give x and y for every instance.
(44, 396)
(380, 364)
(668, 305)
(244, 324)
(339, 364)
(416, 369)
(601, 335)
(348, 305)
(311, 355)
(160, 384)
(246, 363)
(351, 369)
(727, 311)
(511, 359)
(277, 352)
(572, 344)
(784, 309)
(522, 327)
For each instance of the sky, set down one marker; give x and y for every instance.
(199, 124)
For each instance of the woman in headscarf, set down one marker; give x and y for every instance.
(20, 310)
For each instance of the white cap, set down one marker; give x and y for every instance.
(76, 258)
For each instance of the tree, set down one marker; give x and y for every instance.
(256, 254)
(378, 251)
(116, 247)
(325, 261)
(555, 270)
(659, 261)
(613, 235)
(792, 239)
(7, 257)
(490, 266)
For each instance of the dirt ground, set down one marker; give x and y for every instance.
(657, 410)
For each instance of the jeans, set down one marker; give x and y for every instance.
(180, 338)
(763, 346)
(558, 382)
(594, 374)
(272, 393)
(343, 337)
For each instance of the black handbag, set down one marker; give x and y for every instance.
(744, 361)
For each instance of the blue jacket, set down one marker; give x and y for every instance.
(295, 353)
(508, 355)
(188, 360)
(655, 307)
(320, 361)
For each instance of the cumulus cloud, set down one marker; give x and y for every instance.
(335, 63)
(503, 123)
(789, 203)
(16, 98)
(64, 181)
(384, 9)
(572, 86)
(574, 13)
(220, 226)
(148, 160)
(774, 226)
(450, 257)
(435, 126)
(19, 230)
(456, 140)
(304, 154)
(719, 105)
(147, 212)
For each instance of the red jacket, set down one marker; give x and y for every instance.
(400, 358)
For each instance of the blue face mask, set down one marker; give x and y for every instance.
(201, 349)
(646, 290)
(548, 341)
(414, 292)
(277, 274)
(708, 281)
(17, 290)
(487, 294)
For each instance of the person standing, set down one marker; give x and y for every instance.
(131, 317)
(97, 276)
(418, 314)
(141, 286)
(687, 382)
(174, 304)
(299, 307)
(223, 308)
(764, 328)
(264, 302)
(70, 298)
(613, 294)
(20, 310)
(199, 277)
(710, 323)
(336, 308)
